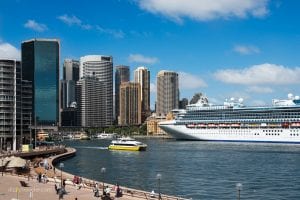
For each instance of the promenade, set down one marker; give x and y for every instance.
(11, 187)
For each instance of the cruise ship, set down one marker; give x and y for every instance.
(234, 122)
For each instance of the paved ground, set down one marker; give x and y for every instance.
(10, 189)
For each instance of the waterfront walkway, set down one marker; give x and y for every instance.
(14, 187)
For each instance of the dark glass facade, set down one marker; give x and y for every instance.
(122, 75)
(40, 65)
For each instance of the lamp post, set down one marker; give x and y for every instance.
(103, 170)
(158, 177)
(2, 165)
(239, 188)
(61, 165)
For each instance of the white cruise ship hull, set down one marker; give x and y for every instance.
(274, 135)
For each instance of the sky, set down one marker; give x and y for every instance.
(223, 48)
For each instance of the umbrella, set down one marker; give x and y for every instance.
(5, 161)
(16, 162)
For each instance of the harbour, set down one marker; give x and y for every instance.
(193, 169)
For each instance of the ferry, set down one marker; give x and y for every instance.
(127, 144)
(106, 136)
(81, 136)
(234, 122)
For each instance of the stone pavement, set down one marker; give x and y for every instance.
(11, 189)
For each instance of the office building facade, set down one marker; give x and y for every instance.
(71, 70)
(91, 106)
(142, 76)
(40, 67)
(100, 68)
(130, 104)
(10, 106)
(67, 88)
(167, 92)
(122, 74)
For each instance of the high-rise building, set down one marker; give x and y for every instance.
(71, 70)
(130, 105)
(167, 92)
(142, 76)
(91, 103)
(101, 68)
(10, 112)
(67, 86)
(122, 75)
(40, 66)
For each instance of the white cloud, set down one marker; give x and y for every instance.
(31, 24)
(115, 33)
(260, 74)
(70, 20)
(204, 10)
(246, 49)
(75, 21)
(259, 89)
(190, 81)
(139, 58)
(153, 87)
(8, 51)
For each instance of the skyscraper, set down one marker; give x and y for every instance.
(70, 77)
(91, 102)
(101, 68)
(130, 105)
(122, 75)
(67, 86)
(40, 67)
(71, 70)
(10, 112)
(142, 76)
(167, 92)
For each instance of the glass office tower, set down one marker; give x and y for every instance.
(40, 66)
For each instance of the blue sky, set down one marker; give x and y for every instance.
(222, 48)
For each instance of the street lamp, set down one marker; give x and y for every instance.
(158, 177)
(239, 187)
(103, 170)
(2, 159)
(61, 165)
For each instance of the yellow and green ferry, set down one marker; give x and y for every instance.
(127, 144)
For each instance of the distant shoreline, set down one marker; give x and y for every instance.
(153, 136)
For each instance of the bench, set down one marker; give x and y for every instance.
(24, 184)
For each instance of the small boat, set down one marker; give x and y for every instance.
(106, 136)
(81, 136)
(127, 144)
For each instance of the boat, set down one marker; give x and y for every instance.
(42, 135)
(81, 136)
(235, 122)
(106, 136)
(128, 144)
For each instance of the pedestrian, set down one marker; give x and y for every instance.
(60, 193)
(40, 177)
(56, 188)
(118, 191)
(96, 190)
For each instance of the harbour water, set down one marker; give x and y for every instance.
(197, 170)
